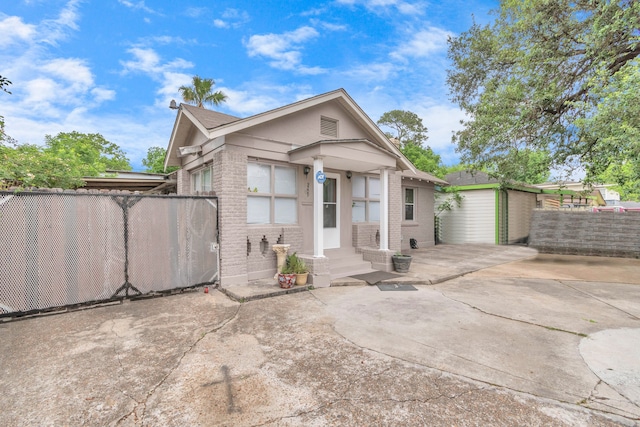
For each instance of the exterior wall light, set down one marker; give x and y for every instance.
(349, 174)
(306, 170)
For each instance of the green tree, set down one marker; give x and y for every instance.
(626, 175)
(61, 163)
(201, 92)
(91, 153)
(4, 82)
(407, 125)
(154, 162)
(424, 159)
(552, 76)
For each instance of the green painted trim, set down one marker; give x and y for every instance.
(476, 187)
(497, 191)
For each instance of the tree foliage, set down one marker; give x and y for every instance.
(201, 92)
(424, 159)
(61, 163)
(552, 76)
(626, 175)
(154, 162)
(407, 125)
(4, 82)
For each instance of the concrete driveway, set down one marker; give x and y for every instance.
(545, 341)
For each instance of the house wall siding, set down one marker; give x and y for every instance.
(230, 184)
(521, 206)
(422, 228)
(473, 221)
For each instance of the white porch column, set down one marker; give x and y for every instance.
(384, 209)
(318, 211)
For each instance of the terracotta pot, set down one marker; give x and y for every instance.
(286, 281)
(301, 278)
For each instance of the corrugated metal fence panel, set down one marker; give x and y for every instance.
(59, 249)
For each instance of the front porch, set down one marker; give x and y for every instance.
(430, 266)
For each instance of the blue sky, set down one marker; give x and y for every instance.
(112, 67)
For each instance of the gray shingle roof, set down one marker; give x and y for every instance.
(210, 119)
(469, 178)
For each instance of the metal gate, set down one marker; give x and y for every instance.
(61, 249)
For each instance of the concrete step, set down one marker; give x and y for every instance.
(345, 262)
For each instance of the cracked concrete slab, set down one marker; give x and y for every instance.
(471, 351)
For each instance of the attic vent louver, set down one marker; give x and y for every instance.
(329, 127)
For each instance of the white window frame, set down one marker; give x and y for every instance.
(367, 200)
(272, 195)
(405, 204)
(198, 184)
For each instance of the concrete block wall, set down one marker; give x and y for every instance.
(586, 233)
(262, 265)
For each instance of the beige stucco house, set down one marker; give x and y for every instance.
(317, 174)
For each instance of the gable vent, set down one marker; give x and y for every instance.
(329, 127)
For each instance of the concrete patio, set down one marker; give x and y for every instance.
(538, 341)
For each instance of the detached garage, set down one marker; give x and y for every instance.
(490, 212)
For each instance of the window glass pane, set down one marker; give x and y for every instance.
(197, 184)
(374, 211)
(330, 215)
(358, 212)
(259, 178)
(206, 179)
(285, 211)
(408, 195)
(285, 180)
(329, 190)
(408, 212)
(258, 210)
(357, 186)
(374, 188)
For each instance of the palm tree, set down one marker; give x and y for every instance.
(200, 93)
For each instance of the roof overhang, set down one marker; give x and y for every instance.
(357, 155)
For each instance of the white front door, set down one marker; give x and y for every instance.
(331, 211)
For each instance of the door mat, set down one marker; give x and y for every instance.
(395, 287)
(375, 277)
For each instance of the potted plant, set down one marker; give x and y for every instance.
(299, 267)
(286, 277)
(401, 263)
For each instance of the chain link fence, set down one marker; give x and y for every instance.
(61, 249)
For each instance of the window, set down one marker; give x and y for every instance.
(272, 194)
(409, 204)
(365, 194)
(328, 127)
(201, 180)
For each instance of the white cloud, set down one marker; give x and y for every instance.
(372, 72)
(139, 5)
(404, 7)
(13, 30)
(51, 31)
(328, 25)
(423, 43)
(73, 70)
(284, 49)
(232, 18)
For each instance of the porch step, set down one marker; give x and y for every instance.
(345, 262)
